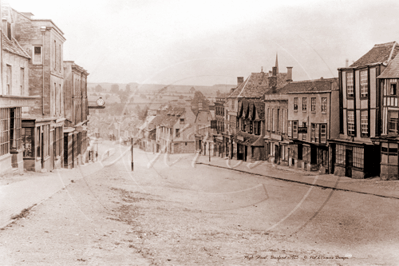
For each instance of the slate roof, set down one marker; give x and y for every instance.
(378, 54)
(392, 70)
(317, 85)
(256, 85)
(12, 46)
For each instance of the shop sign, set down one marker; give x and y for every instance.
(302, 130)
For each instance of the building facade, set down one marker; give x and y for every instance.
(44, 122)
(76, 111)
(360, 102)
(311, 105)
(14, 98)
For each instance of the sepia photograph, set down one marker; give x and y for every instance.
(149, 132)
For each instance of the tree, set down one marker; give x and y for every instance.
(127, 90)
(115, 88)
(98, 88)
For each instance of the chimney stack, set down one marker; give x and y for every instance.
(289, 74)
(240, 80)
(346, 63)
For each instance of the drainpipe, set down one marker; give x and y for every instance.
(43, 30)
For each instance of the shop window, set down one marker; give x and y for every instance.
(38, 142)
(313, 104)
(15, 128)
(349, 84)
(323, 104)
(28, 142)
(296, 104)
(363, 84)
(389, 153)
(358, 157)
(340, 154)
(4, 131)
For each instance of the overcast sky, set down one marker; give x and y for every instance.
(210, 42)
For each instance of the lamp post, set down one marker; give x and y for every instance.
(131, 142)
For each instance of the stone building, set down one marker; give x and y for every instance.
(311, 122)
(251, 112)
(76, 112)
(356, 154)
(14, 98)
(276, 125)
(44, 122)
(219, 126)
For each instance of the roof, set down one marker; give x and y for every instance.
(12, 46)
(392, 70)
(250, 139)
(379, 54)
(248, 108)
(257, 84)
(318, 85)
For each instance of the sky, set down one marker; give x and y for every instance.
(211, 42)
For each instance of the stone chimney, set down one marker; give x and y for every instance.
(273, 82)
(289, 74)
(274, 69)
(240, 80)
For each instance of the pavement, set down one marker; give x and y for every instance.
(374, 186)
(21, 195)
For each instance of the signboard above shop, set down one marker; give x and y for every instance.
(302, 130)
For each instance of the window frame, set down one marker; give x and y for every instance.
(323, 105)
(35, 56)
(364, 123)
(296, 102)
(350, 85)
(4, 131)
(313, 104)
(351, 122)
(363, 86)
(304, 104)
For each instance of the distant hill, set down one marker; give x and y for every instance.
(179, 89)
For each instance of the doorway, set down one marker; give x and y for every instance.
(313, 155)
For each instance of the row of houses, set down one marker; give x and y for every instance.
(179, 128)
(43, 99)
(347, 126)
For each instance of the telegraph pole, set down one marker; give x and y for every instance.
(131, 142)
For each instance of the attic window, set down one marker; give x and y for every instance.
(181, 120)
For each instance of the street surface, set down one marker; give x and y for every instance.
(170, 211)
